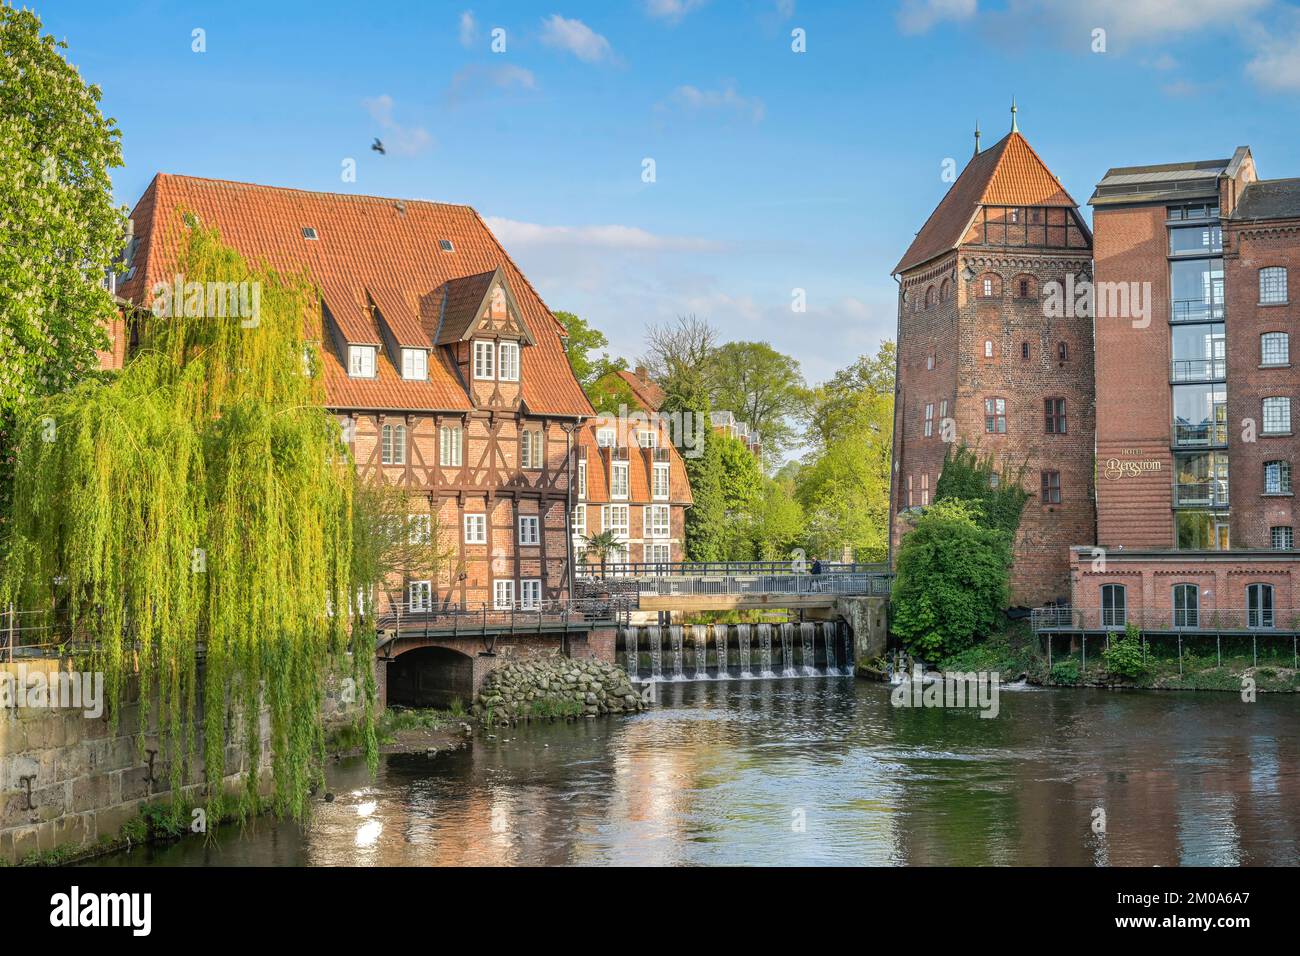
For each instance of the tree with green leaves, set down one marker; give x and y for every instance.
(763, 388)
(999, 496)
(952, 579)
(776, 525)
(60, 231)
(199, 505)
(581, 341)
(601, 545)
(612, 395)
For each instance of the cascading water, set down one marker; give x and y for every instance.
(742, 641)
(808, 640)
(720, 643)
(656, 652)
(829, 635)
(630, 649)
(701, 633)
(787, 651)
(675, 634)
(765, 650)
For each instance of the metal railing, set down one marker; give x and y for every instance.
(662, 569)
(1201, 435)
(1196, 310)
(874, 584)
(1198, 370)
(517, 617)
(1204, 494)
(1166, 620)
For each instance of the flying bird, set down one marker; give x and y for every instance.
(378, 146)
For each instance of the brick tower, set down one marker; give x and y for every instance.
(984, 359)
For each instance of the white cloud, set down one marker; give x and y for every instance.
(511, 232)
(399, 139)
(468, 29)
(1276, 64)
(577, 38)
(478, 79)
(671, 10)
(919, 16)
(728, 99)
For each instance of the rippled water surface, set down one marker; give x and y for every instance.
(822, 770)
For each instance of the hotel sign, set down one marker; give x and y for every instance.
(1114, 469)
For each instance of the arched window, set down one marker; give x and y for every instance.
(1024, 351)
(945, 291)
(1272, 285)
(1025, 287)
(990, 285)
(1062, 352)
(1259, 605)
(929, 296)
(1187, 605)
(1114, 605)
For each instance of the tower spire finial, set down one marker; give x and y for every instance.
(1015, 127)
(977, 137)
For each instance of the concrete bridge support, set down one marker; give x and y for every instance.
(868, 617)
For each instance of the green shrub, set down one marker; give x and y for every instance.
(1066, 671)
(1124, 657)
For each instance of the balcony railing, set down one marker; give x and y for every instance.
(1199, 370)
(1196, 310)
(1202, 494)
(515, 617)
(660, 569)
(1202, 435)
(1200, 621)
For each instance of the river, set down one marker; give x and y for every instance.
(821, 771)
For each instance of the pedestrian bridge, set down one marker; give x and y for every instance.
(721, 586)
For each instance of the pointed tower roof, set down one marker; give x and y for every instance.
(1008, 173)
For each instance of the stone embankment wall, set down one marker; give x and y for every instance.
(68, 780)
(557, 686)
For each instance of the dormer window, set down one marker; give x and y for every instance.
(647, 439)
(415, 364)
(444, 245)
(508, 367)
(604, 437)
(361, 361)
(484, 360)
(309, 232)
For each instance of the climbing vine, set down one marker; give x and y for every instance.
(190, 520)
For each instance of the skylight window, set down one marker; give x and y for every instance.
(445, 245)
(309, 232)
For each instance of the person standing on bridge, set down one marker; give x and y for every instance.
(816, 572)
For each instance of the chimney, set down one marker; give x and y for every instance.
(641, 373)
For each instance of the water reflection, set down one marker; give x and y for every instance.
(823, 770)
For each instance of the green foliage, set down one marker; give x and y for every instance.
(843, 487)
(1124, 657)
(613, 395)
(1065, 672)
(599, 546)
(761, 387)
(582, 340)
(968, 477)
(200, 504)
(952, 579)
(60, 231)
(776, 525)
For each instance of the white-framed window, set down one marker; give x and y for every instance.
(929, 420)
(661, 481)
(1277, 477)
(530, 594)
(618, 479)
(484, 360)
(582, 478)
(415, 364)
(508, 364)
(361, 361)
(615, 518)
(528, 529)
(419, 528)
(988, 348)
(647, 439)
(658, 553)
(943, 409)
(605, 437)
(1277, 416)
(1272, 285)
(476, 529)
(1281, 536)
(392, 449)
(530, 448)
(419, 596)
(503, 595)
(657, 522)
(580, 521)
(1274, 348)
(449, 446)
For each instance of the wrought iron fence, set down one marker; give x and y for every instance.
(515, 617)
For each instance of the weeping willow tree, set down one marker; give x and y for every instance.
(190, 520)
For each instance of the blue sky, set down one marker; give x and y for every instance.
(774, 170)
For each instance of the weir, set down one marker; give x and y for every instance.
(821, 645)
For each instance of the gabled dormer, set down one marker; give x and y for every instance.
(484, 331)
(350, 325)
(404, 336)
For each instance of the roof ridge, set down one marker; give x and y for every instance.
(312, 192)
(1034, 153)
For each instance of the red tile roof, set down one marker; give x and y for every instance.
(647, 393)
(386, 246)
(1008, 173)
(640, 474)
